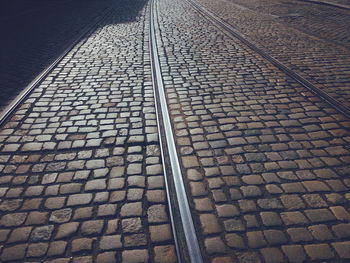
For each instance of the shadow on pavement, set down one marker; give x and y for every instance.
(35, 32)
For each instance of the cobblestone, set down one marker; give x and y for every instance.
(81, 175)
(315, 40)
(265, 161)
(271, 189)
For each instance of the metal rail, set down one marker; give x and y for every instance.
(187, 246)
(326, 3)
(222, 25)
(9, 109)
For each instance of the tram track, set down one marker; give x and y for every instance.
(184, 230)
(187, 245)
(229, 30)
(16, 102)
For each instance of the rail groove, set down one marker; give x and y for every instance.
(187, 246)
(226, 27)
(9, 109)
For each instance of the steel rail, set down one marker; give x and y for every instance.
(16, 102)
(176, 192)
(326, 3)
(222, 25)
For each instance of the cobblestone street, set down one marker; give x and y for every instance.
(85, 169)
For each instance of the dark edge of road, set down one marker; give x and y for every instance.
(16, 102)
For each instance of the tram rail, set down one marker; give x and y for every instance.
(187, 245)
(229, 30)
(327, 3)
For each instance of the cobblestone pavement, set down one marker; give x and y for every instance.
(33, 34)
(266, 163)
(81, 176)
(312, 40)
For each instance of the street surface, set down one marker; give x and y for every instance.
(266, 163)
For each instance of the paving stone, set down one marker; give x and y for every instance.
(135, 256)
(314, 200)
(275, 237)
(341, 230)
(98, 184)
(61, 216)
(84, 212)
(251, 221)
(42, 233)
(107, 210)
(214, 245)
(155, 182)
(57, 248)
(4, 234)
(81, 244)
(319, 215)
(293, 218)
(209, 224)
(13, 219)
(315, 186)
(256, 239)
(320, 232)
(131, 225)
(160, 233)
(270, 219)
(37, 249)
(16, 252)
(136, 181)
(233, 225)
(227, 210)
(106, 257)
(83, 259)
(292, 202)
(272, 255)
(112, 226)
(135, 240)
(93, 227)
(79, 199)
(10, 205)
(299, 234)
(156, 196)
(342, 248)
(234, 241)
(251, 191)
(270, 203)
(67, 230)
(157, 214)
(165, 254)
(294, 253)
(340, 213)
(111, 242)
(319, 251)
(203, 204)
(190, 161)
(247, 205)
(20, 234)
(154, 169)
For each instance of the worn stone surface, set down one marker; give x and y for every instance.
(265, 160)
(81, 178)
